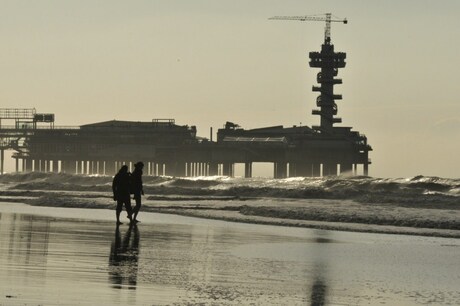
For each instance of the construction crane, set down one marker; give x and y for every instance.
(328, 18)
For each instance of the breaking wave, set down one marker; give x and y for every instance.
(403, 191)
(419, 202)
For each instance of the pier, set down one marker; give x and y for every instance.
(170, 149)
(175, 150)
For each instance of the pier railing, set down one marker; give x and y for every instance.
(17, 113)
(29, 127)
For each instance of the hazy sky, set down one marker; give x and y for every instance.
(205, 62)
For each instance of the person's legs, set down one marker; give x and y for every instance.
(137, 198)
(118, 210)
(128, 207)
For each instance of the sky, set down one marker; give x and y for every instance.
(205, 62)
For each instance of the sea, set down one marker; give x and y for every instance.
(297, 241)
(424, 205)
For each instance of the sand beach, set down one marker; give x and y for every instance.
(77, 256)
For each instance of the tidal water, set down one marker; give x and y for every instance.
(65, 256)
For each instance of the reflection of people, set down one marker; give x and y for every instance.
(136, 187)
(319, 288)
(124, 258)
(318, 293)
(120, 188)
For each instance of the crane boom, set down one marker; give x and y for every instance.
(326, 17)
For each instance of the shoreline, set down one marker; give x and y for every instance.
(57, 256)
(236, 216)
(417, 206)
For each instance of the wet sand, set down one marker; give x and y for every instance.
(65, 256)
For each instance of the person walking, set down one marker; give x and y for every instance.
(137, 189)
(120, 188)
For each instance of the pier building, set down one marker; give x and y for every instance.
(170, 149)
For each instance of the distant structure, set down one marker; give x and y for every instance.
(329, 62)
(170, 149)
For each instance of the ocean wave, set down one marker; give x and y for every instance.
(180, 182)
(405, 191)
(177, 198)
(52, 178)
(272, 212)
(347, 217)
(44, 185)
(416, 202)
(72, 179)
(70, 201)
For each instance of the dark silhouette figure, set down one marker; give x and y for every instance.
(120, 188)
(124, 258)
(136, 188)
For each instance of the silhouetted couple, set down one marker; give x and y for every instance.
(124, 184)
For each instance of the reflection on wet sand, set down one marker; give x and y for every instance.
(59, 261)
(319, 288)
(25, 241)
(124, 258)
(318, 292)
